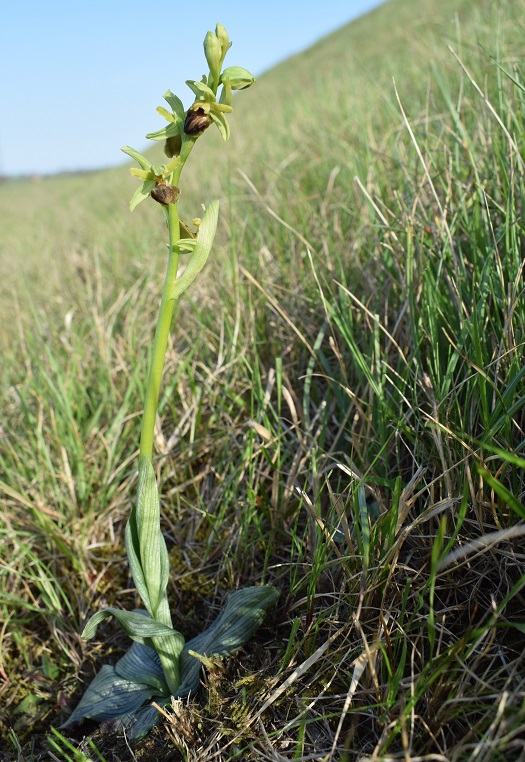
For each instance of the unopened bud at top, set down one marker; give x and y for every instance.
(213, 53)
(222, 36)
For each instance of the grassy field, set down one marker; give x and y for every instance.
(342, 414)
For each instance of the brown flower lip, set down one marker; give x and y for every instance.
(197, 120)
(165, 194)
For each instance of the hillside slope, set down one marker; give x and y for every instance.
(332, 105)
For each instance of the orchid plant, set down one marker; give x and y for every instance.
(160, 665)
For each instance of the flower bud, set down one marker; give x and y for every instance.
(165, 194)
(172, 146)
(213, 53)
(238, 77)
(197, 120)
(222, 36)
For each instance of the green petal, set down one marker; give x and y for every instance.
(221, 107)
(165, 113)
(141, 173)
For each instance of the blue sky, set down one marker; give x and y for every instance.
(79, 80)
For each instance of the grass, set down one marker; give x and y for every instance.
(342, 414)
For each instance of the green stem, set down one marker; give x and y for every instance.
(168, 651)
(165, 315)
(161, 337)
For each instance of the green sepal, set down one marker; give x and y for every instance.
(222, 123)
(139, 158)
(169, 131)
(201, 89)
(139, 628)
(141, 194)
(238, 77)
(176, 104)
(201, 250)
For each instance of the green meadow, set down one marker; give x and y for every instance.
(341, 415)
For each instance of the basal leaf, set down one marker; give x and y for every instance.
(133, 552)
(109, 696)
(137, 626)
(141, 664)
(138, 724)
(151, 542)
(240, 618)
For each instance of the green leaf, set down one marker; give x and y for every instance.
(141, 664)
(137, 626)
(153, 554)
(201, 250)
(176, 104)
(139, 158)
(133, 551)
(240, 618)
(138, 724)
(141, 194)
(109, 696)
